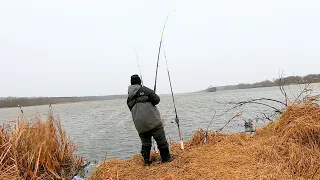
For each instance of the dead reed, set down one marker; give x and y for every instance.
(39, 149)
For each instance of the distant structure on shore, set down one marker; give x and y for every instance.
(211, 89)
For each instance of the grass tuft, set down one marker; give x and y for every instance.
(39, 149)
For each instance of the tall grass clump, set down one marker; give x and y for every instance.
(293, 142)
(38, 149)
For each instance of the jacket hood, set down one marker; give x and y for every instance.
(132, 89)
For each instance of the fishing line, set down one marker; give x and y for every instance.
(138, 65)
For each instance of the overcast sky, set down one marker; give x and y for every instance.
(77, 47)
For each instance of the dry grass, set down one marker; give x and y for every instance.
(37, 150)
(286, 149)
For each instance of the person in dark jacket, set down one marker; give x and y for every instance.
(142, 103)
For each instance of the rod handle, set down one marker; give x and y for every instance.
(181, 145)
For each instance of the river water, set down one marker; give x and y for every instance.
(102, 127)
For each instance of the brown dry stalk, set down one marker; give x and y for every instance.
(37, 149)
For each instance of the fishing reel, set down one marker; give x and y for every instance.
(176, 119)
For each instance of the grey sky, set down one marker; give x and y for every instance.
(77, 47)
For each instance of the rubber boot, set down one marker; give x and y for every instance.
(165, 155)
(145, 152)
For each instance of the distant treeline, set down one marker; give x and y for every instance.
(311, 78)
(33, 101)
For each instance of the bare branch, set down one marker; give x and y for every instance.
(235, 116)
(211, 120)
(305, 90)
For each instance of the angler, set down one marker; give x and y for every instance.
(142, 103)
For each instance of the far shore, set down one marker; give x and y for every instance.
(13, 102)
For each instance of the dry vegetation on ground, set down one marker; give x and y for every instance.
(286, 149)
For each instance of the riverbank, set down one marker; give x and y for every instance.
(286, 149)
(290, 80)
(37, 101)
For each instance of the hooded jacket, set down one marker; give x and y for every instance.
(142, 103)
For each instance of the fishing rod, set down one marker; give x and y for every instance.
(138, 64)
(164, 26)
(174, 104)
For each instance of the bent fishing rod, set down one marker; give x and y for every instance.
(174, 104)
(155, 80)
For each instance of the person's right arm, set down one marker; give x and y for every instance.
(153, 97)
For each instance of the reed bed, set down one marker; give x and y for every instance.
(37, 149)
(288, 148)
